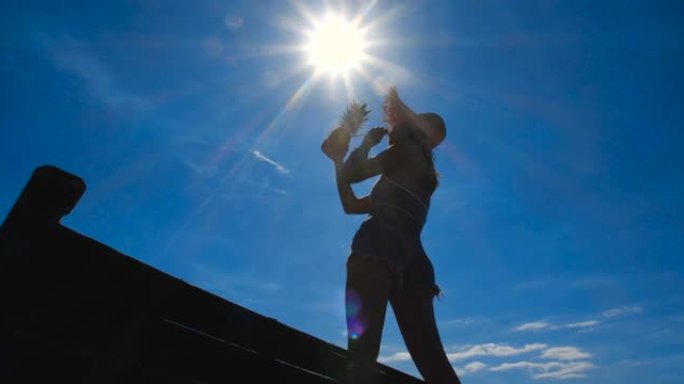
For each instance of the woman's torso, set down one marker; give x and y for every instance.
(400, 202)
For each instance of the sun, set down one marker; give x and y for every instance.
(336, 46)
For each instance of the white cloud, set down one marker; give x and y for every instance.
(493, 349)
(575, 370)
(565, 353)
(542, 325)
(570, 362)
(278, 166)
(533, 326)
(621, 311)
(489, 349)
(395, 357)
(475, 366)
(583, 324)
(523, 364)
(550, 370)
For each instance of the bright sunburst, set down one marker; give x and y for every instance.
(336, 45)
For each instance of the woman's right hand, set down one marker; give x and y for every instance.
(374, 136)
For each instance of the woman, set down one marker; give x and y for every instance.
(387, 261)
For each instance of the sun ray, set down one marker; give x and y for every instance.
(294, 100)
(456, 156)
(363, 13)
(384, 64)
(253, 52)
(360, 62)
(386, 17)
(379, 85)
(349, 88)
(388, 72)
(336, 46)
(303, 11)
(229, 176)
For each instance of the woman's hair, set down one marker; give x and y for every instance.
(432, 175)
(418, 136)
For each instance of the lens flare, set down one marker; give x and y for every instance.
(355, 325)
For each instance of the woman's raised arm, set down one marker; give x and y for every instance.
(350, 203)
(358, 167)
(335, 147)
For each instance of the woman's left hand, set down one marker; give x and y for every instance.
(336, 145)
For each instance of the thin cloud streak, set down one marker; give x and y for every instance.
(569, 362)
(569, 371)
(493, 349)
(543, 325)
(565, 353)
(489, 349)
(279, 167)
(583, 324)
(550, 370)
(475, 366)
(621, 311)
(395, 357)
(533, 326)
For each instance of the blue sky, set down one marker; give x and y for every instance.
(557, 230)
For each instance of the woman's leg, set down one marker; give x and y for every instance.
(367, 292)
(416, 319)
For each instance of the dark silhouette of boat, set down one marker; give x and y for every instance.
(75, 310)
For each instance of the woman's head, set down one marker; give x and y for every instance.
(427, 135)
(428, 128)
(404, 123)
(434, 127)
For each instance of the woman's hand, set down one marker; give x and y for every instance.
(374, 137)
(336, 145)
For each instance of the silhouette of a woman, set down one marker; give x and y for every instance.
(387, 263)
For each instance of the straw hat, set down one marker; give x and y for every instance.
(397, 112)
